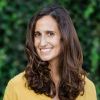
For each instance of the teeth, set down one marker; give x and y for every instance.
(45, 50)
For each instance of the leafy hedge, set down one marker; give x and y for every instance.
(14, 16)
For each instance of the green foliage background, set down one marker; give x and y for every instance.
(14, 16)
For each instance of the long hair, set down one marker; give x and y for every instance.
(72, 76)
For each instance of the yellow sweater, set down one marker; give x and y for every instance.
(16, 90)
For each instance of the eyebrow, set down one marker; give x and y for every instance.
(47, 31)
(36, 32)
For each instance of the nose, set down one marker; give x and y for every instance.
(43, 41)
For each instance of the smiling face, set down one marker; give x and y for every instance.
(47, 39)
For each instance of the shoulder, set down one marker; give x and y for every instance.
(18, 90)
(13, 87)
(16, 83)
(89, 84)
(89, 89)
(18, 79)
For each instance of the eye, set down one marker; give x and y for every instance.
(37, 34)
(51, 33)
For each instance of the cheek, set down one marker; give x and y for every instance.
(57, 44)
(36, 42)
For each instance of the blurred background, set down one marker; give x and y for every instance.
(14, 17)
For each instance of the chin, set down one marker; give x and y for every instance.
(45, 58)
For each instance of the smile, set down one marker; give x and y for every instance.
(46, 50)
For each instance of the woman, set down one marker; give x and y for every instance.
(54, 70)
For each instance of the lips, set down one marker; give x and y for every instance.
(45, 50)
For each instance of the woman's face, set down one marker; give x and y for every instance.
(47, 38)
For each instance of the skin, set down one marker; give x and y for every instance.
(47, 43)
(47, 39)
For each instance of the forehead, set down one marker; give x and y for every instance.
(46, 23)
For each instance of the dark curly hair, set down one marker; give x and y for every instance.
(72, 76)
